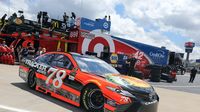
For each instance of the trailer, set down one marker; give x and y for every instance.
(86, 36)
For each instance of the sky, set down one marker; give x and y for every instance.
(168, 23)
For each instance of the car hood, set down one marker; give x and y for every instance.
(129, 83)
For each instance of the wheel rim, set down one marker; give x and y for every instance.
(32, 79)
(96, 99)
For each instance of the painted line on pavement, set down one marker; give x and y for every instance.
(176, 86)
(12, 109)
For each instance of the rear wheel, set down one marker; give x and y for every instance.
(31, 80)
(92, 99)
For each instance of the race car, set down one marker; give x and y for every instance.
(88, 82)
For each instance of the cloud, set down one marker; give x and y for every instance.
(178, 16)
(195, 54)
(84, 8)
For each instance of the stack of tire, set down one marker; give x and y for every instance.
(138, 74)
(155, 72)
(6, 55)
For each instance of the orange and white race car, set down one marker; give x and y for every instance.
(89, 82)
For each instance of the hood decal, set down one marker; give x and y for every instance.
(127, 81)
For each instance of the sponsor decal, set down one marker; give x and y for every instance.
(138, 55)
(40, 67)
(124, 99)
(113, 58)
(23, 74)
(60, 91)
(59, 76)
(136, 82)
(97, 43)
(90, 24)
(105, 25)
(158, 54)
(126, 80)
(55, 74)
(149, 103)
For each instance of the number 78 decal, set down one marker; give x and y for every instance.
(60, 75)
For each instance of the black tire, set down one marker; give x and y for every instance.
(155, 78)
(155, 75)
(169, 80)
(92, 99)
(31, 80)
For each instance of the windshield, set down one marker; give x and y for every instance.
(94, 65)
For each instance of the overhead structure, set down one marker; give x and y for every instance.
(188, 49)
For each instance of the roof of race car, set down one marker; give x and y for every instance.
(83, 55)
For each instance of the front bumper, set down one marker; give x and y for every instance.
(135, 106)
(141, 107)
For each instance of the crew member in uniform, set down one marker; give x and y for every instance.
(131, 61)
(193, 75)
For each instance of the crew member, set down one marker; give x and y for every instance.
(131, 64)
(193, 75)
(73, 15)
(31, 51)
(4, 44)
(39, 51)
(65, 17)
(43, 51)
(39, 16)
(105, 18)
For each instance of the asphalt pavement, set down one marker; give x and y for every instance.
(15, 96)
(181, 84)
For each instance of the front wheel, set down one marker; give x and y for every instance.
(92, 99)
(31, 80)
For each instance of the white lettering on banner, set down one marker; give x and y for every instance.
(60, 75)
(158, 54)
(89, 24)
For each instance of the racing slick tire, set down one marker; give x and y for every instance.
(92, 99)
(31, 80)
